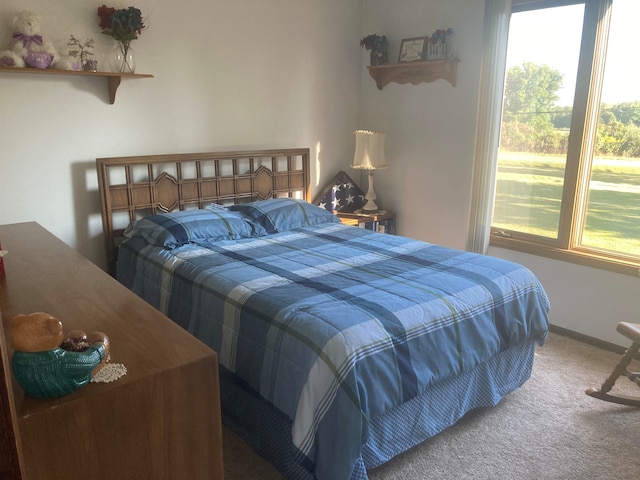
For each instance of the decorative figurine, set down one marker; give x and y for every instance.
(47, 365)
(83, 51)
(28, 48)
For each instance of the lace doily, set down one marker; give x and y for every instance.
(110, 372)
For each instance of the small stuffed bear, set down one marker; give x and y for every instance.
(28, 49)
(45, 365)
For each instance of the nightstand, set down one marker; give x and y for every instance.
(382, 221)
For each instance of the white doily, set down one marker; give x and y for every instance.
(110, 372)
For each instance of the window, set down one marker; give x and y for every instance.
(568, 176)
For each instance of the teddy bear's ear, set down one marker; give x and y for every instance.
(36, 332)
(54, 325)
(17, 319)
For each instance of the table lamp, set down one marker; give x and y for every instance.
(369, 155)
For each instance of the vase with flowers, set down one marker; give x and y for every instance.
(378, 44)
(438, 43)
(123, 26)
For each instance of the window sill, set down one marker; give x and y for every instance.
(578, 256)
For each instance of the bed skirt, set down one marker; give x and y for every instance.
(268, 432)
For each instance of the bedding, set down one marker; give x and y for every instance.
(333, 327)
(179, 228)
(282, 214)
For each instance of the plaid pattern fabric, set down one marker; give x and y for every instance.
(180, 227)
(335, 325)
(283, 214)
(438, 407)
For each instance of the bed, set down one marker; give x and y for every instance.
(339, 347)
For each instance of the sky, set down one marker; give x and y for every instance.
(552, 37)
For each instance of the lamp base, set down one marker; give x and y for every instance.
(370, 206)
(369, 210)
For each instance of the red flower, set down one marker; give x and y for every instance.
(123, 25)
(105, 13)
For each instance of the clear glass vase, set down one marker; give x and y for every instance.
(124, 58)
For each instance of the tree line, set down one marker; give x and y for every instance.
(533, 122)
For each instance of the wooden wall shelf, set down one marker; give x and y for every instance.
(113, 79)
(415, 72)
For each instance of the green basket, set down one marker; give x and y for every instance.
(57, 372)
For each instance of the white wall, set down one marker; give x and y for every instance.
(430, 127)
(430, 146)
(228, 75)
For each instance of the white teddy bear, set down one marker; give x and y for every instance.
(28, 49)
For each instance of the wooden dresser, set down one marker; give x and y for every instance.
(159, 421)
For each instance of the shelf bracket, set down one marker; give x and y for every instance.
(114, 83)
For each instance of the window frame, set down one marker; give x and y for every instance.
(584, 120)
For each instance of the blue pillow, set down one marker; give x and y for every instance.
(282, 214)
(178, 228)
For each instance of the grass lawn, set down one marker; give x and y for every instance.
(529, 193)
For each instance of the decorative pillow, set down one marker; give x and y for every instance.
(282, 214)
(179, 228)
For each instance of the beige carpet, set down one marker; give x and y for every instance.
(548, 429)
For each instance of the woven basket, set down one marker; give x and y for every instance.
(57, 372)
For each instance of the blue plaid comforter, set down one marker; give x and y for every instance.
(334, 325)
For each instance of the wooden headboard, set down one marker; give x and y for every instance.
(134, 187)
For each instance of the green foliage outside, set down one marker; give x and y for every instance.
(533, 123)
(531, 164)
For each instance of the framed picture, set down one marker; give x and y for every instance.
(413, 49)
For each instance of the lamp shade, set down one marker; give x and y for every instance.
(369, 153)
